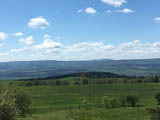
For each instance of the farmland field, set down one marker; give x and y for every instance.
(57, 102)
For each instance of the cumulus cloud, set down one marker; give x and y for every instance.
(48, 46)
(38, 22)
(27, 41)
(157, 19)
(3, 36)
(115, 3)
(18, 34)
(126, 10)
(90, 10)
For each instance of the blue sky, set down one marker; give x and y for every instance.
(79, 29)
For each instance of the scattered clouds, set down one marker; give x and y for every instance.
(3, 36)
(18, 34)
(90, 10)
(38, 22)
(109, 11)
(115, 3)
(27, 41)
(126, 10)
(50, 49)
(157, 19)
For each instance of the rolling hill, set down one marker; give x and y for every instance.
(43, 69)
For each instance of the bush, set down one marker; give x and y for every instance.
(22, 102)
(155, 113)
(57, 82)
(8, 109)
(132, 100)
(13, 103)
(106, 102)
(114, 103)
(129, 100)
(123, 101)
(157, 97)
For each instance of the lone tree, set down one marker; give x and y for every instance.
(83, 79)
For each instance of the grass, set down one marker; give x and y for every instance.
(54, 102)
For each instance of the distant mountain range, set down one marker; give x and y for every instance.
(43, 69)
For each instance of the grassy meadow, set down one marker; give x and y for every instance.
(65, 102)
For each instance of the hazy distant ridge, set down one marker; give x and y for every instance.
(42, 69)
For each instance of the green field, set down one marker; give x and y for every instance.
(58, 102)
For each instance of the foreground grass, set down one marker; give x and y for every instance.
(54, 102)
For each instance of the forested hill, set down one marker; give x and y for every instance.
(89, 75)
(43, 69)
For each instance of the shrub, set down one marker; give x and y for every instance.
(8, 109)
(157, 97)
(57, 82)
(123, 101)
(22, 102)
(132, 100)
(13, 103)
(129, 100)
(114, 103)
(155, 113)
(106, 102)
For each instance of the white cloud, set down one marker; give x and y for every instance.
(4, 54)
(156, 44)
(18, 34)
(50, 49)
(115, 3)
(80, 11)
(88, 47)
(109, 11)
(157, 19)
(27, 41)
(58, 38)
(126, 10)
(3, 36)
(90, 10)
(48, 46)
(46, 36)
(38, 22)
(1, 45)
(17, 50)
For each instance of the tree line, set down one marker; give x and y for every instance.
(83, 80)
